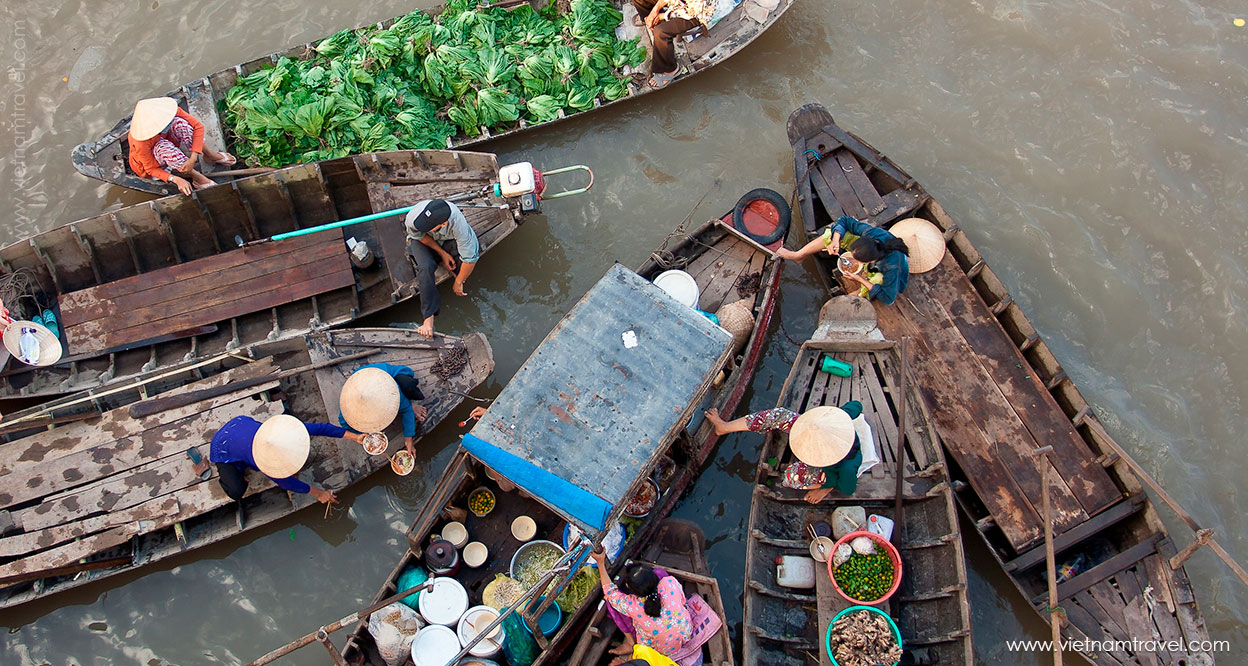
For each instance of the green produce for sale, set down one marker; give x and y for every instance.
(426, 79)
(865, 577)
(578, 589)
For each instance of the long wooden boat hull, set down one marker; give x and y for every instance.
(163, 283)
(107, 157)
(931, 607)
(998, 394)
(90, 499)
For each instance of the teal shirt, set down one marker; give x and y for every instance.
(843, 476)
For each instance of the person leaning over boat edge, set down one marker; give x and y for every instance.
(660, 618)
(277, 448)
(429, 224)
(666, 20)
(873, 245)
(822, 439)
(166, 142)
(375, 393)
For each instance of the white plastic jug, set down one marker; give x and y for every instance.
(880, 525)
(795, 571)
(848, 519)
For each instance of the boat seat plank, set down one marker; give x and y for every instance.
(1030, 400)
(1103, 571)
(392, 236)
(137, 485)
(114, 424)
(897, 204)
(53, 476)
(867, 195)
(329, 269)
(829, 170)
(309, 195)
(1077, 535)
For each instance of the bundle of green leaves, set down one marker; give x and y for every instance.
(426, 79)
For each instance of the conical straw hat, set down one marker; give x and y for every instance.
(49, 346)
(369, 400)
(822, 436)
(151, 116)
(281, 446)
(926, 243)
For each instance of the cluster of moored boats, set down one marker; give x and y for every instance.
(175, 317)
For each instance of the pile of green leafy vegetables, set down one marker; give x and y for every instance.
(426, 79)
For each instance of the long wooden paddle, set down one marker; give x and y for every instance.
(155, 405)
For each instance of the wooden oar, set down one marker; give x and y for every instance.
(155, 405)
(1050, 562)
(239, 173)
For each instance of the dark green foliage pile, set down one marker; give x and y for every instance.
(426, 79)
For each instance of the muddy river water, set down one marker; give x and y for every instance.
(1094, 152)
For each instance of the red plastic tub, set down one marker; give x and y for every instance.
(880, 542)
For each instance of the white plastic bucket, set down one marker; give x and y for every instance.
(445, 603)
(680, 286)
(435, 645)
(482, 616)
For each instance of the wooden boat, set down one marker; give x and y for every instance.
(107, 158)
(88, 498)
(725, 259)
(625, 370)
(679, 548)
(164, 283)
(998, 394)
(931, 608)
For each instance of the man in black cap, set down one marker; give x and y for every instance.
(429, 224)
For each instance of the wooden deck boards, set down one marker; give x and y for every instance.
(990, 411)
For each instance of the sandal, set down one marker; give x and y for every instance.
(659, 81)
(229, 160)
(49, 320)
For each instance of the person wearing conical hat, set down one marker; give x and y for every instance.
(822, 439)
(873, 250)
(430, 224)
(166, 143)
(277, 448)
(375, 393)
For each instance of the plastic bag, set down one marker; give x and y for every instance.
(842, 554)
(863, 545)
(518, 644)
(410, 578)
(393, 628)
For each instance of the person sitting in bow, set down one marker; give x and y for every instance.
(656, 607)
(166, 142)
(666, 20)
(429, 224)
(375, 393)
(822, 439)
(862, 247)
(278, 448)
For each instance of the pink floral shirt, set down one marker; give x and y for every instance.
(670, 630)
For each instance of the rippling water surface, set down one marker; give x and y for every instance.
(1094, 152)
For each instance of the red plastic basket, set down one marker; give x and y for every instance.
(880, 542)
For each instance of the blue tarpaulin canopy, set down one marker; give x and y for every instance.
(601, 399)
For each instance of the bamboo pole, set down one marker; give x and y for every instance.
(1176, 561)
(1050, 560)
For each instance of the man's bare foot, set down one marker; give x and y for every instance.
(721, 426)
(225, 159)
(426, 328)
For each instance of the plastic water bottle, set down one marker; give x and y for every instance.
(28, 344)
(880, 525)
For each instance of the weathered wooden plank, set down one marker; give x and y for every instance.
(190, 293)
(723, 278)
(85, 467)
(1111, 603)
(280, 294)
(1104, 570)
(805, 200)
(120, 491)
(1138, 621)
(115, 424)
(829, 171)
(898, 203)
(705, 261)
(1095, 525)
(1030, 400)
(166, 276)
(1088, 611)
(861, 185)
(29, 542)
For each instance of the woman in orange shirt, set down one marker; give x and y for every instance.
(166, 142)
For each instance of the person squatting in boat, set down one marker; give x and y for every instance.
(429, 224)
(822, 439)
(666, 20)
(375, 394)
(166, 142)
(278, 448)
(648, 608)
(862, 249)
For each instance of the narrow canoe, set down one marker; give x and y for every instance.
(106, 158)
(679, 548)
(114, 493)
(997, 394)
(931, 608)
(589, 419)
(164, 283)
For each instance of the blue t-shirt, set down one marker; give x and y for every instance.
(232, 444)
(895, 266)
